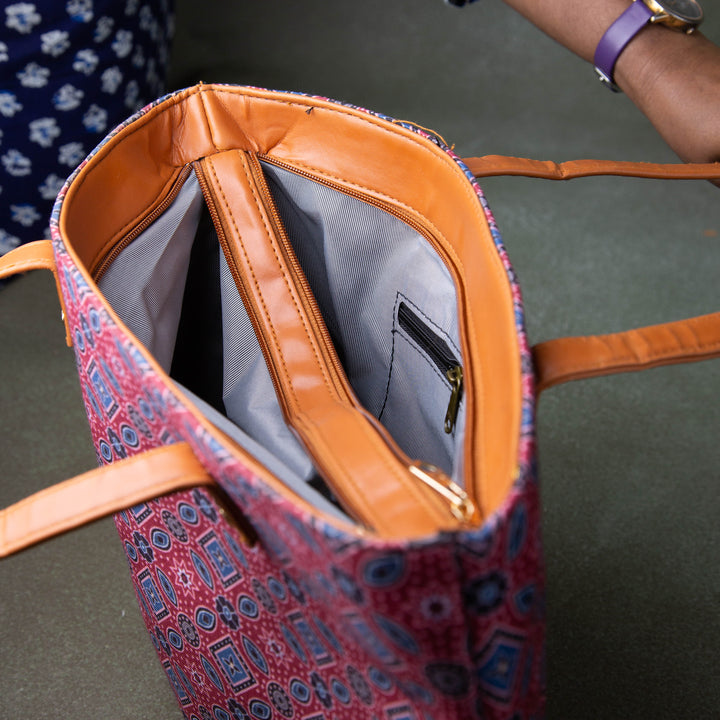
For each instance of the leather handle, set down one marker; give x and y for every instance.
(31, 256)
(98, 493)
(575, 358)
(495, 165)
(36, 255)
(102, 491)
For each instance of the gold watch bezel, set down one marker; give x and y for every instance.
(670, 19)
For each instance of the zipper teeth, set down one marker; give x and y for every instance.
(463, 496)
(337, 370)
(435, 347)
(406, 217)
(119, 246)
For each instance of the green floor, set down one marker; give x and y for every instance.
(630, 466)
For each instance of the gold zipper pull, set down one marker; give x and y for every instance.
(461, 506)
(455, 376)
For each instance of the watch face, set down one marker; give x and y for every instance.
(686, 10)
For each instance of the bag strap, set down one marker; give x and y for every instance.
(31, 256)
(36, 255)
(575, 358)
(100, 492)
(495, 165)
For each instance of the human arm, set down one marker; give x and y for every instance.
(673, 78)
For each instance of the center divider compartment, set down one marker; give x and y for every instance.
(174, 290)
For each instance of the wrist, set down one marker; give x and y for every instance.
(674, 79)
(653, 53)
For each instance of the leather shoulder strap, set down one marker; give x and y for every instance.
(100, 492)
(494, 165)
(36, 255)
(574, 358)
(31, 256)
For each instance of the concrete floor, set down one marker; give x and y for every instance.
(629, 465)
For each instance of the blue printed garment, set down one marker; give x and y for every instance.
(70, 70)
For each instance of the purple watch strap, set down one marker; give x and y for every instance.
(618, 35)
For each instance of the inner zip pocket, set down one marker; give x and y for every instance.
(440, 353)
(359, 460)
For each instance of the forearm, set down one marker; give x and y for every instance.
(570, 22)
(673, 78)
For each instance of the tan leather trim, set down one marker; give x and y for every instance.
(493, 165)
(98, 493)
(134, 166)
(576, 358)
(38, 255)
(357, 463)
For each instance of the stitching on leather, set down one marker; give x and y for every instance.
(283, 273)
(303, 416)
(211, 168)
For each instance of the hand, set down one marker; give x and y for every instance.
(675, 80)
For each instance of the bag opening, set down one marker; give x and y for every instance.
(133, 173)
(368, 271)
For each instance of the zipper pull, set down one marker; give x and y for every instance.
(455, 376)
(461, 506)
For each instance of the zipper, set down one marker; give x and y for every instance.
(442, 356)
(453, 373)
(143, 225)
(461, 505)
(337, 372)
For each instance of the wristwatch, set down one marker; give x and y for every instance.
(683, 15)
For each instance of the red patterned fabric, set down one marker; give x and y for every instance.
(293, 618)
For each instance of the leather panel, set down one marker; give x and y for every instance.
(355, 461)
(359, 150)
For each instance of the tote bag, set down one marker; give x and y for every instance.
(302, 353)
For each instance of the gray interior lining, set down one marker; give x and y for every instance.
(274, 464)
(146, 282)
(359, 260)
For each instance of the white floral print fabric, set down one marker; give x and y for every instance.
(69, 71)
